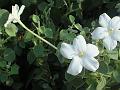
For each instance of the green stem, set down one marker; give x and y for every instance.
(6, 39)
(19, 21)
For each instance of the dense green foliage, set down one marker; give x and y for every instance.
(27, 63)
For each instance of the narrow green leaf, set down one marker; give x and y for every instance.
(72, 18)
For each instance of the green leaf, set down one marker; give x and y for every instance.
(14, 69)
(65, 36)
(9, 55)
(101, 84)
(3, 77)
(28, 36)
(3, 16)
(42, 6)
(27, 3)
(113, 55)
(78, 26)
(118, 7)
(116, 75)
(103, 68)
(31, 57)
(3, 64)
(38, 50)
(72, 18)
(48, 32)
(35, 18)
(69, 77)
(91, 87)
(11, 30)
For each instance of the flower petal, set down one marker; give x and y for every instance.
(109, 43)
(10, 19)
(114, 23)
(79, 44)
(99, 33)
(116, 35)
(90, 64)
(75, 66)
(92, 50)
(104, 20)
(67, 50)
(15, 9)
(21, 10)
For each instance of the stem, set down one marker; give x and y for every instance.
(19, 21)
(6, 39)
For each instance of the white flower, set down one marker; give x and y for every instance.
(15, 15)
(109, 31)
(82, 55)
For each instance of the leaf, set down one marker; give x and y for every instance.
(38, 50)
(31, 57)
(113, 55)
(11, 30)
(14, 69)
(78, 26)
(118, 7)
(3, 64)
(42, 6)
(35, 18)
(103, 68)
(3, 77)
(71, 18)
(27, 3)
(48, 32)
(69, 77)
(116, 75)
(91, 87)
(28, 36)
(101, 84)
(65, 36)
(3, 16)
(9, 55)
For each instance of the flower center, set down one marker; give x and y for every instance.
(110, 31)
(81, 54)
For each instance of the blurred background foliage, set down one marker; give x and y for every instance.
(27, 63)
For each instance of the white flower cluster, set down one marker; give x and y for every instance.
(15, 15)
(83, 54)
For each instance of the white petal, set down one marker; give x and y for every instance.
(92, 50)
(15, 9)
(115, 23)
(104, 20)
(79, 44)
(109, 43)
(67, 50)
(21, 10)
(75, 66)
(10, 19)
(116, 35)
(99, 33)
(90, 64)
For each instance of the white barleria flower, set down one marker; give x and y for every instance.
(109, 31)
(82, 55)
(15, 15)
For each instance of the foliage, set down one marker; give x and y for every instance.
(27, 63)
